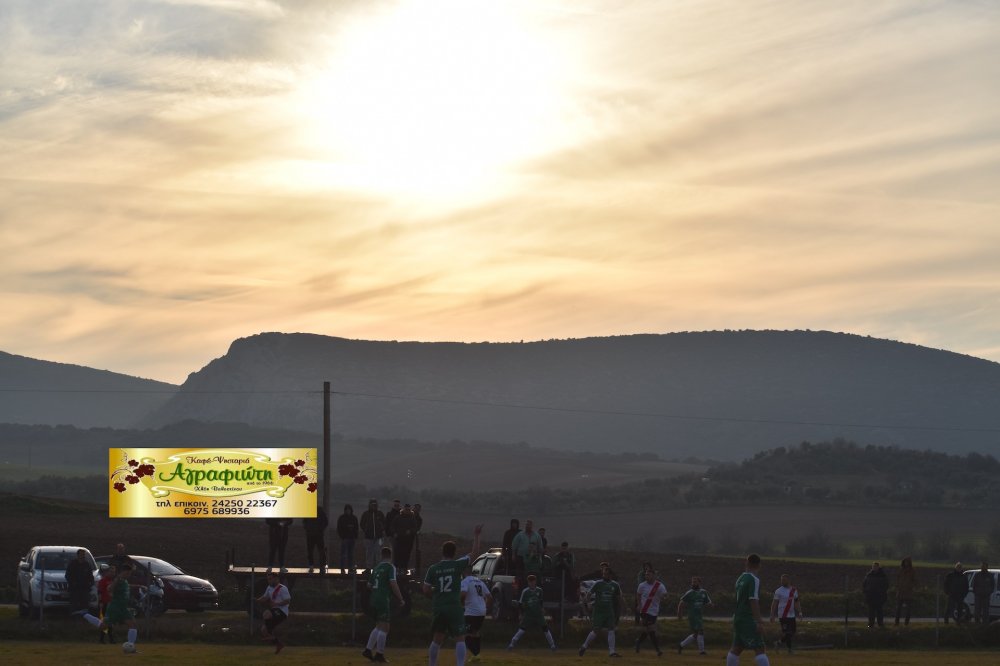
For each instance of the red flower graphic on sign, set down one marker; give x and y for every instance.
(130, 472)
(301, 473)
(120, 487)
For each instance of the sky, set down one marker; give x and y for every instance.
(176, 174)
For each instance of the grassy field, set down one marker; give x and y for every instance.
(36, 654)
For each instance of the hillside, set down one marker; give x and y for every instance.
(46, 393)
(717, 395)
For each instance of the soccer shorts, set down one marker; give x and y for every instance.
(474, 623)
(647, 620)
(449, 621)
(381, 610)
(745, 635)
(531, 621)
(603, 619)
(787, 625)
(696, 622)
(277, 617)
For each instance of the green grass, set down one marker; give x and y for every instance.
(37, 654)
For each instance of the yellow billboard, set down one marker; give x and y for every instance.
(212, 483)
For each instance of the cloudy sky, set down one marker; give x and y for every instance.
(175, 174)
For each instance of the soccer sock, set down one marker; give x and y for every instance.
(687, 641)
(762, 660)
(590, 639)
(432, 654)
(656, 643)
(380, 641)
(611, 642)
(372, 639)
(132, 635)
(732, 659)
(788, 641)
(91, 619)
(517, 636)
(474, 643)
(550, 638)
(701, 643)
(641, 638)
(460, 653)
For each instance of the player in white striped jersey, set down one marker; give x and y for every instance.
(786, 607)
(647, 605)
(477, 600)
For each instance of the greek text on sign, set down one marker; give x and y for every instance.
(212, 483)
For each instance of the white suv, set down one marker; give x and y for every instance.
(48, 562)
(970, 598)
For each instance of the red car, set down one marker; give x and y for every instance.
(180, 590)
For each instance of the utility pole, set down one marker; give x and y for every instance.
(326, 448)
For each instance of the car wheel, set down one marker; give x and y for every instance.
(33, 612)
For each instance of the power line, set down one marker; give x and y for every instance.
(513, 405)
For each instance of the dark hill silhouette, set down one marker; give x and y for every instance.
(729, 393)
(47, 393)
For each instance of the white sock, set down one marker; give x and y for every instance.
(91, 619)
(372, 638)
(432, 654)
(132, 635)
(732, 659)
(611, 642)
(762, 660)
(701, 643)
(590, 639)
(460, 653)
(687, 641)
(380, 641)
(517, 637)
(550, 638)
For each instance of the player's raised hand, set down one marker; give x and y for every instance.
(477, 530)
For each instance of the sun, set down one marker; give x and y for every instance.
(437, 99)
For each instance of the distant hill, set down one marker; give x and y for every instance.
(717, 395)
(47, 393)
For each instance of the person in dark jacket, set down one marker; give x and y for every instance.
(956, 586)
(416, 541)
(390, 518)
(983, 586)
(405, 530)
(277, 539)
(347, 530)
(508, 541)
(906, 586)
(315, 531)
(120, 558)
(373, 529)
(876, 591)
(79, 579)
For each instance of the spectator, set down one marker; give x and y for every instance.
(508, 541)
(564, 564)
(533, 561)
(120, 558)
(983, 587)
(373, 528)
(521, 545)
(347, 530)
(876, 591)
(405, 526)
(315, 531)
(277, 539)
(79, 579)
(956, 586)
(417, 517)
(906, 585)
(416, 539)
(390, 519)
(545, 542)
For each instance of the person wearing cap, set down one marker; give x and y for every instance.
(373, 528)
(607, 596)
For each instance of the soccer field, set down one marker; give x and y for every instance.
(38, 653)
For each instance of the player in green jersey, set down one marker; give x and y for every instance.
(607, 595)
(695, 600)
(443, 583)
(118, 610)
(382, 583)
(748, 625)
(532, 608)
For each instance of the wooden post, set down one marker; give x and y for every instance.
(326, 448)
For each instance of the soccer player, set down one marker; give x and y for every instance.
(117, 611)
(108, 576)
(277, 598)
(695, 600)
(381, 582)
(748, 626)
(786, 607)
(532, 613)
(607, 596)
(647, 604)
(443, 583)
(477, 601)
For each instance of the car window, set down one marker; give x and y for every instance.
(161, 568)
(477, 566)
(57, 560)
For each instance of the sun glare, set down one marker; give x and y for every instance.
(435, 99)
